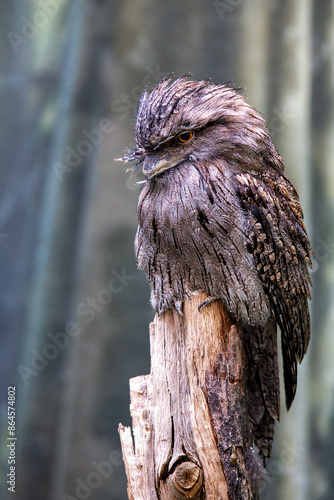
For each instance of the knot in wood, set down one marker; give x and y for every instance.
(188, 479)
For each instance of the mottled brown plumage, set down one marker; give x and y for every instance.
(217, 213)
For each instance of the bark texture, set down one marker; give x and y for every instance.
(192, 436)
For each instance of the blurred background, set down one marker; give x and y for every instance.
(74, 309)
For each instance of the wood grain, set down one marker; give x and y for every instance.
(190, 422)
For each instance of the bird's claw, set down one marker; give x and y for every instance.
(206, 302)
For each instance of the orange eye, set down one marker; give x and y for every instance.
(185, 137)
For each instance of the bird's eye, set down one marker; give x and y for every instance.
(185, 137)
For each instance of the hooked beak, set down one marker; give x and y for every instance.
(156, 164)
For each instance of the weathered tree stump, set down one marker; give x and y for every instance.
(190, 423)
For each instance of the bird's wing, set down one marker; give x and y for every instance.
(278, 242)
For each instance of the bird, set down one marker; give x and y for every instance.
(218, 214)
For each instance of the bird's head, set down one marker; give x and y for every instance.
(187, 120)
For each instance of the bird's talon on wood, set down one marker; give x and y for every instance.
(206, 302)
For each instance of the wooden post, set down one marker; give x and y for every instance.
(190, 425)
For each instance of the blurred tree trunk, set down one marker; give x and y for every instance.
(44, 368)
(18, 205)
(294, 142)
(21, 185)
(322, 395)
(253, 52)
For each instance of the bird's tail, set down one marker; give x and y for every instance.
(263, 384)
